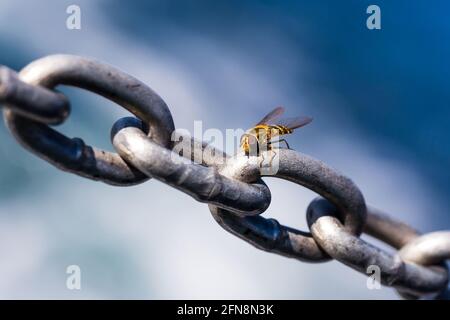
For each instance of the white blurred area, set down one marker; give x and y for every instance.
(151, 241)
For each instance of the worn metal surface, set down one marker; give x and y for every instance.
(268, 234)
(34, 102)
(232, 186)
(391, 231)
(72, 154)
(427, 249)
(203, 183)
(343, 246)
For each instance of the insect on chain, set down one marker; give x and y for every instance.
(233, 188)
(259, 138)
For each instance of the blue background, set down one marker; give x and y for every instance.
(381, 109)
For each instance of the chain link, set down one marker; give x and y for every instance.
(73, 155)
(232, 186)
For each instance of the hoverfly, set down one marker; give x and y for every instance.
(259, 137)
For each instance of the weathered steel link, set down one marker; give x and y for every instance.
(72, 154)
(231, 185)
(393, 232)
(410, 278)
(34, 102)
(427, 249)
(194, 150)
(203, 183)
(268, 234)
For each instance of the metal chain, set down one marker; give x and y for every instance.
(232, 186)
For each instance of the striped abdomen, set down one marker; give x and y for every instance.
(262, 131)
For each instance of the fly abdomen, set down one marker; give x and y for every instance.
(282, 130)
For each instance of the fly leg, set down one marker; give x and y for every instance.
(287, 144)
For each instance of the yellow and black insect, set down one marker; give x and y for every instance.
(259, 138)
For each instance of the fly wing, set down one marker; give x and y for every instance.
(294, 123)
(272, 116)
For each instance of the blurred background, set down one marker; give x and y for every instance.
(381, 109)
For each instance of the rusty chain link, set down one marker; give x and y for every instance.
(232, 186)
